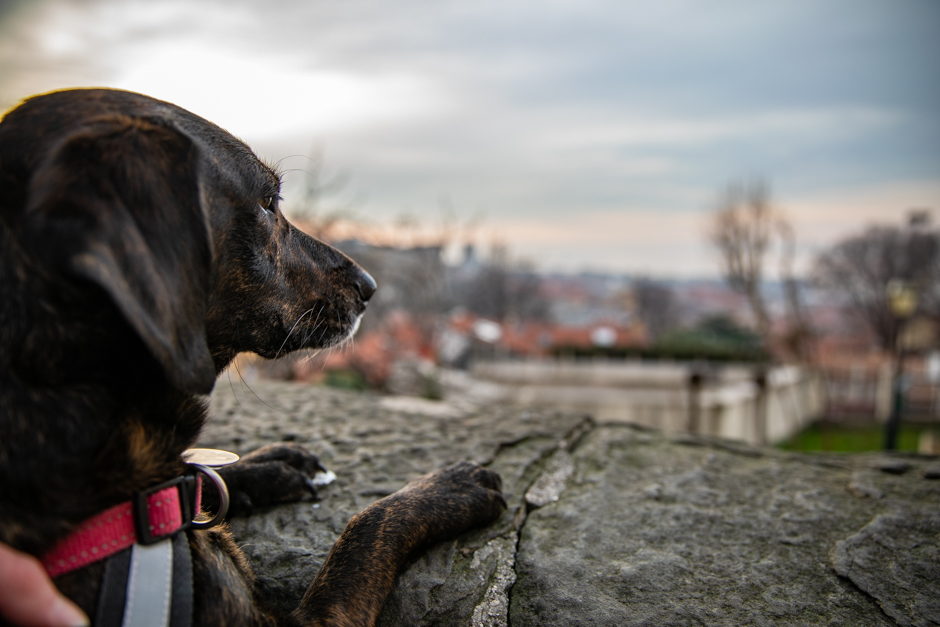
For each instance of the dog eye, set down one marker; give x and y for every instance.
(267, 204)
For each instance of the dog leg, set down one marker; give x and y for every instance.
(360, 570)
(273, 474)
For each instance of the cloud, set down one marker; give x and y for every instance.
(832, 214)
(288, 98)
(629, 130)
(636, 227)
(591, 132)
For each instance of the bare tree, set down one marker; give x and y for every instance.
(742, 229)
(800, 335)
(310, 211)
(655, 306)
(502, 289)
(859, 268)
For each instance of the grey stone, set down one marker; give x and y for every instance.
(552, 482)
(376, 446)
(894, 466)
(493, 609)
(667, 534)
(413, 377)
(862, 486)
(606, 524)
(896, 559)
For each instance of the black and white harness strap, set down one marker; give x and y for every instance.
(148, 586)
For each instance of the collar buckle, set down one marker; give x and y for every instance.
(141, 509)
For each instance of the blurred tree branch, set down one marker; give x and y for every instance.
(503, 289)
(801, 335)
(741, 229)
(859, 268)
(655, 306)
(309, 212)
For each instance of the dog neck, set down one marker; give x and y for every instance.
(62, 469)
(82, 427)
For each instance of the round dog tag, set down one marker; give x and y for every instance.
(209, 457)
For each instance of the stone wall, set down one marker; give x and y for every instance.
(729, 402)
(608, 524)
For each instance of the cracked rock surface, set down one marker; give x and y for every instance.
(607, 524)
(907, 589)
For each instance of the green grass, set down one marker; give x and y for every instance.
(346, 380)
(850, 438)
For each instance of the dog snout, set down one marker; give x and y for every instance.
(363, 282)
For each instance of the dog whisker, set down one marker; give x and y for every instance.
(309, 355)
(277, 164)
(254, 393)
(290, 332)
(316, 325)
(228, 374)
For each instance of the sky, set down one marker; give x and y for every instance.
(584, 135)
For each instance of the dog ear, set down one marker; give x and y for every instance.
(118, 203)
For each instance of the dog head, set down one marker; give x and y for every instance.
(177, 222)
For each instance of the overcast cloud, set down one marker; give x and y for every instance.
(592, 134)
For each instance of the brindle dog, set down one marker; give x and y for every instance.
(141, 249)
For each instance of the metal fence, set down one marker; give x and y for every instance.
(863, 393)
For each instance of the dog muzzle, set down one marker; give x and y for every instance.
(147, 580)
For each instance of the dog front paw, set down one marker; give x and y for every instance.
(273, 474)
(454, 499)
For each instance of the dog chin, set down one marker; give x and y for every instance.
(340, 339)
(349, 334)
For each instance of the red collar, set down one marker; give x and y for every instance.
(166, 509)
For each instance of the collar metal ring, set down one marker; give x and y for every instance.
(223, 497)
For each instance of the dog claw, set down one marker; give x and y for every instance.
(312, 487)
(325, 477)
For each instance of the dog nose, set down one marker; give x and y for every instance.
(364, 283)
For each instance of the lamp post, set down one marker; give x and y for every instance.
(902, 301)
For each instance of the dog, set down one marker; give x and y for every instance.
(142, 248)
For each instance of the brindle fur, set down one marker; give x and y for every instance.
(135, 263)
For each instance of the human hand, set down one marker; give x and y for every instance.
(29, 598)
